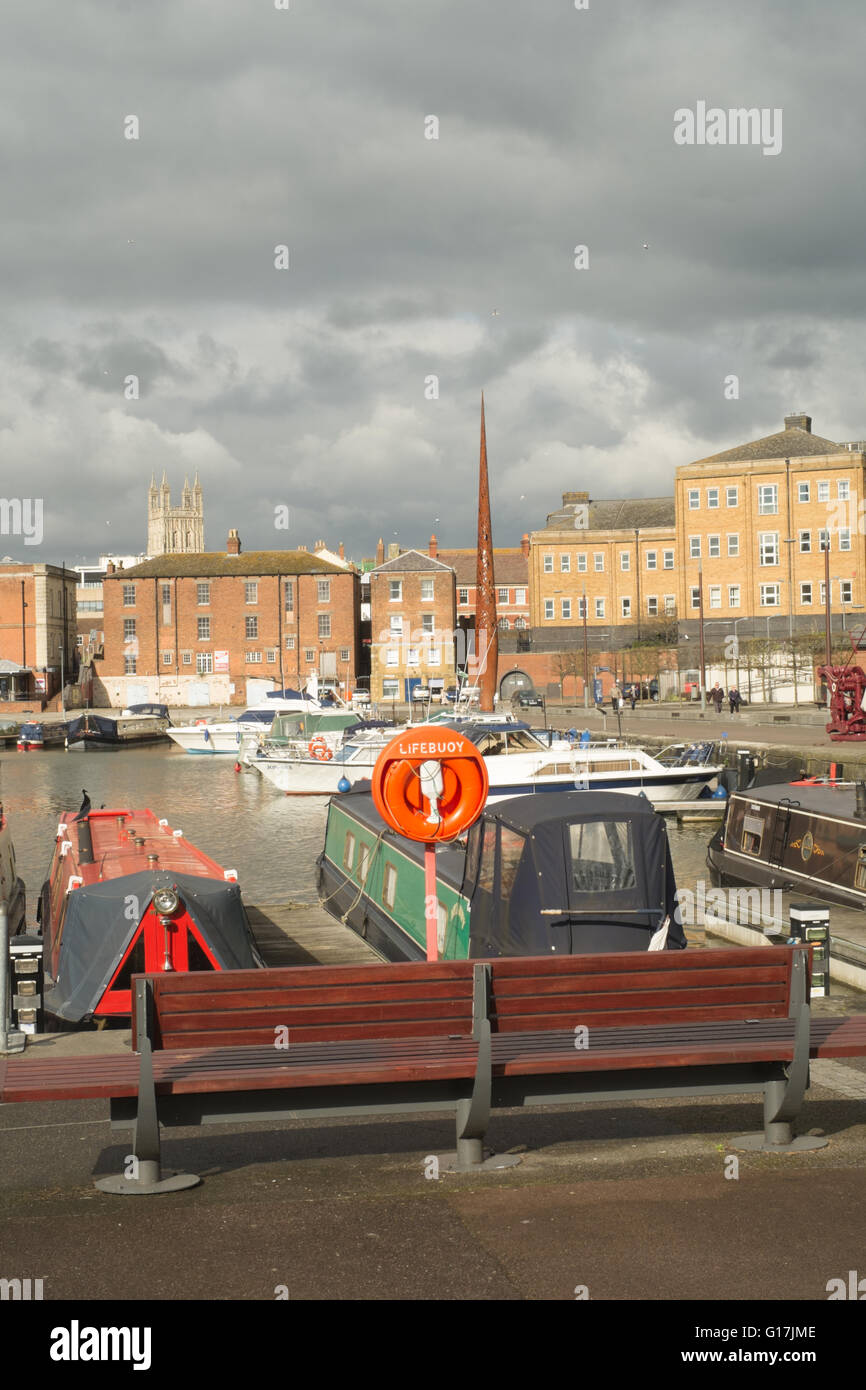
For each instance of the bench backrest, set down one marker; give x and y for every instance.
(315, 1003)
(653, 987)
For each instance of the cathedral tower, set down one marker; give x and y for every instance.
(175, 530)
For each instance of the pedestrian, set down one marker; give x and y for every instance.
(738, 700)
(717, 695)
(732, 700)
(616, 698)
(633, 696)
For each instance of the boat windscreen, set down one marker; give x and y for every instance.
(602, 857)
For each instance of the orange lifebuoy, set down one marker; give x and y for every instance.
(319, 749)
(399, 795)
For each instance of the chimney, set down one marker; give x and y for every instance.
(320, 545)
(799, 422)
(524, 544)
(568, 497)
(380, 552)
(110, 567)
(233, 546)
(302, 547)
(342, 551)
(433, 548)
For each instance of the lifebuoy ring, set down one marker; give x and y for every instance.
(399, 795)
(318, 748)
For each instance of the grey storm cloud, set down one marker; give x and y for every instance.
(414, 258)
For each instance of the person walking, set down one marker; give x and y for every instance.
(616, 698)
(717, 695)
(737, 700)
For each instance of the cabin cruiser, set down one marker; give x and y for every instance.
(225, 736)
(534, 875)
(519, 760)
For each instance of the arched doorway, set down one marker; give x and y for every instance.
(513, 681)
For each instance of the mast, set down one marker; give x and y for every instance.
(486, 628)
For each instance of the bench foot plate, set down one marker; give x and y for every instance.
(450, 1163)
(759, 1142)
(120, 1186)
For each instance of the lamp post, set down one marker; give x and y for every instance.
(62, 682)
(701, 626)
(585, 656)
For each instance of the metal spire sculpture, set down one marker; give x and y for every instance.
(486, 628)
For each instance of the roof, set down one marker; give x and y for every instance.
(410, 560)
(838, 802)
(530, 812)
(789, 443)
(215, 563)
(10, 668)
(510, 566)
(617, 514)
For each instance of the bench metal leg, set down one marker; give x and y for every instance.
(473, 1115)
(143, 1175)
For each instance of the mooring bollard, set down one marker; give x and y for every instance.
(810, 922)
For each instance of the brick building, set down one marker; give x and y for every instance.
(511, 571)
(37, 619)
(220, 628)
(413, 621)
(752, 521)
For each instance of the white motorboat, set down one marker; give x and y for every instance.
(226, 736)
(519, 760)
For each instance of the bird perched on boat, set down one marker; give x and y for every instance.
(84, 809)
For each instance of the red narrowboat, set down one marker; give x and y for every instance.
(125, 895)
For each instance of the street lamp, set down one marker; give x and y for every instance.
(62, 682)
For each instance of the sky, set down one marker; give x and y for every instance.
(430, 167)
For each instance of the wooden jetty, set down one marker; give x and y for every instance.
(305, 934)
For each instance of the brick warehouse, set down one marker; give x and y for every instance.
(413, 619)
(214, 628)
(37, 617)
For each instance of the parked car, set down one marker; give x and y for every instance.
(527, 699)
(451, 695)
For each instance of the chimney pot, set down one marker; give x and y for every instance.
(234, 543)
(524, 543)
(433, 548)
(799, 422)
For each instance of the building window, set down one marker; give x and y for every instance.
(427, 620)
(668, 559)
(582, 610)
(204, 663)
(770, 595)
(520, 622)
(694, 498)
(323, 591)
(251, 591)
(844, 538)
(129, 665)
(803, 491)
(581, 566)
(715, 595)
(129, 595)
(395, 590)
(624, 560)
(435, 657)
(324, 620)
(805, 538)
(714, 547)
(843, 490)
(548, 564)
(309, 656)
(768, 547)
(625, 604)
(253, 658)
(166, 594)
(462, 595)
(345, 654)
(251, 626)
(733, 595)
(598, 561)
(392, 656)
(805, 593)
(128, 629)
(396, 626)
(823, 492)
(166, 658)
(519, 596)
(390, 690)
(412, 656)
(503, 624)
(204, 629)
(565, 607)
(426, 590)
(733, 542)
(823, 592)
(202, 594)
(651, 560)
(768, 499)
(548, 608)
(186, 658)
(290, 596)
(845, 590)
(290, 642)
(732, 497)
(695, 594)
(695, 547)
(271, 656)
(599, 608)
(564, 566)
(824, 541)
(670, 605)
(712, 497)
(652, 606)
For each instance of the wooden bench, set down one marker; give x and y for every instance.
(463, 1036)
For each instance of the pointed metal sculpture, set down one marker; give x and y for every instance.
(486, 628)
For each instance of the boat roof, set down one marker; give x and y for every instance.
(532, 812)
(825, 799)
(116, 854)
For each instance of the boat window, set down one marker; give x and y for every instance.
(488, 858)
(860, 870)
(473, 854)
(133, 965)
(491, 745)
(753, 834)
(346, 752)
(363, 863)
(389, 885)
(196, 958)
(611, 765)
(522, 738)
(601, 856)
(511, 850)
(349, 852)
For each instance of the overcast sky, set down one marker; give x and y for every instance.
(412, 257)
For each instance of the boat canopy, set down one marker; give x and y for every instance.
(97, 933)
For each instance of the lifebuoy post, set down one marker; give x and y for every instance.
(429, 784)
